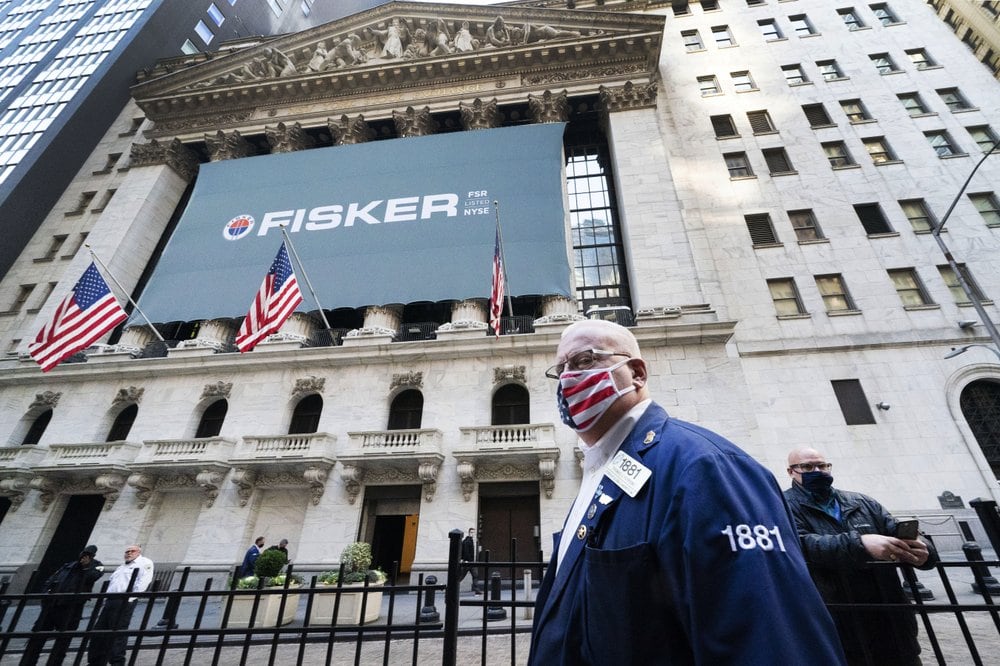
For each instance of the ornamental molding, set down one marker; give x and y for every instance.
(46, 399)
(509, 373)
(130, 395)
(391, 50)
(408, 379)
(219, 389)
(628, 96)
(288, 138)
(348, 131)
(479, 114)
(232, 146)
(173, 154)
(308, 385)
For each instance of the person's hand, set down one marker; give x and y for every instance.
(891, 549)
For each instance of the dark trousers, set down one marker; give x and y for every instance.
(468, 567)
(110, 649)
(52, 618)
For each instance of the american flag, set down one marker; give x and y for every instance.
(81, 319)
(496, 294)
(277, 298)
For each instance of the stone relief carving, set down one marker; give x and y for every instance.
(48, 399)
(413, 122)
(209, 480)
(110, 485)
(412, 379)
(230, 146)
(428, 473)
(564, 76)
(217, 390)
(308, 385)
(628, 96)
(144, 485)
(244, 479)
(352, 476)
(348, 131)
(509, 373)
(288, 138)
(15, 488)
(467, 473)
(174, 154)
(479, 114)
(549, 107)
(128, 396)
(401, 39)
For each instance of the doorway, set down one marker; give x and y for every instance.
(390, 520)
(509, 511)
(71, 535)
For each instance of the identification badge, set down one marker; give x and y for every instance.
(628, 473)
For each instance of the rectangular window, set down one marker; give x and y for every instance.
(709, 85)
(816, 115)
(216, 15)
(851, 18)
(204, 32)
(984, 136)
(722, 36)
(742, 81)
(852, 401)
(855, 110)
(957, 292)
(755, 3)
(23, 294)
(738, 165)
(907, 283)
(883, 63)
(777, 161)
(920, 59)
(794, 74)
(54, 246)
(884, 14)
(787, 302)
(804, 224)
(942, 143)
(760, 122)
(82, 203)
(913, 104)
(872, 219)
(836, 153)
(879, 149)
(769, 30)
(953, 99)
(724, 126)
(830, 70)
(692, 40)
(834, 293)
(680, 8)
(918, 214)
(801, 25)
(709, 5)
(988, 206)
(761, 230)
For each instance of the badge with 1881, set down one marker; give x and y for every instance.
(628, 473)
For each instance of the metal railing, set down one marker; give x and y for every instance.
(425, 622)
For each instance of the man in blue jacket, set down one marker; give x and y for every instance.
(679, 548)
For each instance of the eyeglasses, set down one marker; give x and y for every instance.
(131, 550)
(812, 467)
(581, 360)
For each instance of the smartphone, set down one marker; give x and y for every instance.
(907, 529)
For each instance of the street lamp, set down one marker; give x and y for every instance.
(969, 293)
(955, 351)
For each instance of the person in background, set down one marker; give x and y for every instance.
(469, 559)
(117, 611)
(842, 534)
(679, 548)
(253, 552)
(283, 547)
(63, 612)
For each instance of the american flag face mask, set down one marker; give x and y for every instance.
(584, 395)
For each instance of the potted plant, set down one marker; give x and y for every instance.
(355, 561)
(267, 575)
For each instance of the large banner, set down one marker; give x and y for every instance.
(394, 221)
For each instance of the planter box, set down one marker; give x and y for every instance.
(350, 604)
(267, 610)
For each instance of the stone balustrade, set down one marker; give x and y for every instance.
(530, 435)
(389, 441)
(165, 451)
(91, 453)
(311, 445)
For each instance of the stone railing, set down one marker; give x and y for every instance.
(157, 451)
(92, 453)
(311, 445)
(393, 441)
(527, 435)
(20, 457)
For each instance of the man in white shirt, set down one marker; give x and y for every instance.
(135, 575)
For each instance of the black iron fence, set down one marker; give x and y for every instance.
(421, 623)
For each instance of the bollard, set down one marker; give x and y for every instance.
(527, 594)
(495, 612)
(428, 612)
(973, 553)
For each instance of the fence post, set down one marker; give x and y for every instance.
(990, 519)
(973, 553)
(428, 612)
(528, 594)
(449, 652)
(173, 603)
(495, 612)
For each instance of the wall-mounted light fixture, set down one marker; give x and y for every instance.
(884, 406)
(955, 351)
(966, 324)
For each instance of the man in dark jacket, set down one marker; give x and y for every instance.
(63, 612)
(843, 534)
(250, 558)
(469, 559)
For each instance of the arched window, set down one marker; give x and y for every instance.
(510, 405)
(980, 404)
(305, 418)
(37, 428)
(212, 418)
(123, 424)
(406, 410)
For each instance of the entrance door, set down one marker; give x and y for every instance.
(75, 526)
(387, 543)
(506, 517)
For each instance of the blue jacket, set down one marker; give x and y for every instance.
(702, 566)
(253, 552)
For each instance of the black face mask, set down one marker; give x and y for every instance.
(818, 483)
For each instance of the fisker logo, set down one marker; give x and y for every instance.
(238, 227)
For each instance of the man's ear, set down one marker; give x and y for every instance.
(639, 373)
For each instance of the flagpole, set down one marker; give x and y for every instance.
(503, 261)
(305, 276)
(122, 289)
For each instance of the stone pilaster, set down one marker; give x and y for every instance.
(174, 154)
(230, 146)
(288, 138)
(479, 114)
(549, 107)
(349, 131)
(413, 122)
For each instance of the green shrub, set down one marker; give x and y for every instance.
(269, 563)
(356, 558)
